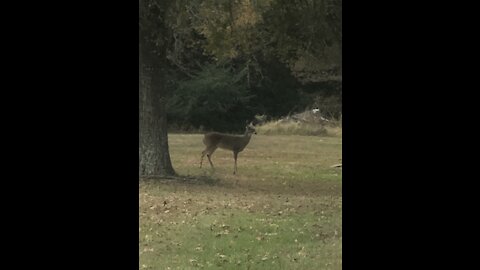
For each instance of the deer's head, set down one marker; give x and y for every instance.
(250, 129)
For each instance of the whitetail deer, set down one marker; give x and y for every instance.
(235, 143)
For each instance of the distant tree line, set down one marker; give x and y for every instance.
(235, 59)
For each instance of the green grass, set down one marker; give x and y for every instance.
(281, 211)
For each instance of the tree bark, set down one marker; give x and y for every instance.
(154, 156)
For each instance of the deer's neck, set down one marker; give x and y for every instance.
(246, 137)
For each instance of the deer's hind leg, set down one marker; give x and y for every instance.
(203, 155)
(208, 152)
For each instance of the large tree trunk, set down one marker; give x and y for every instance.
(154, 157)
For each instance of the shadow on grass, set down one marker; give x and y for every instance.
(184, 179)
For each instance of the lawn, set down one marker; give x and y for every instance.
(283, 209)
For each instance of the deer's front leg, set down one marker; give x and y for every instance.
(235, 155)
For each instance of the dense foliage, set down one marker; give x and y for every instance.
(227, 60)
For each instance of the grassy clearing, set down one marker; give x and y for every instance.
(282, 210)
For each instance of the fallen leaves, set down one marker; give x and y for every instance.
(226, 226)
